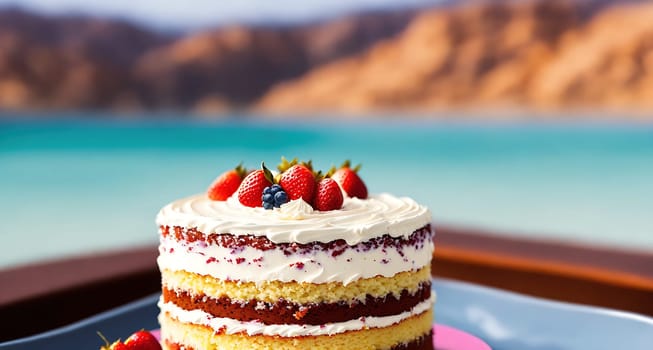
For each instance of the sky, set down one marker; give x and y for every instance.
(181, 15)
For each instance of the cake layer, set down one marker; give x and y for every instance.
(296, 222)
(411, 333)
(231, 326)
(424, 342)
(285, 312)
(257, 259)
(297, 292)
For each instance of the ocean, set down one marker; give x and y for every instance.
(85, 184)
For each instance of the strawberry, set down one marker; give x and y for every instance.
(298, 181)
(142, 340)
(226, 184)
(251, 189)
(117, 345)
(349, 181)
(328, 195)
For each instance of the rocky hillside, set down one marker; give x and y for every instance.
(542, 55)
(71, 62)
(234, 66)
(68, 62)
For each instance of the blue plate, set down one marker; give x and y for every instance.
(506, 321)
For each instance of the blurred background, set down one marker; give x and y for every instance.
(524, 118)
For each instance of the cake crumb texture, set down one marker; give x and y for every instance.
(178, 335)
(301, 293)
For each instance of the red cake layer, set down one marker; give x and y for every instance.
(285, 312)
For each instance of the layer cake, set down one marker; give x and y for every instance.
(239, 277)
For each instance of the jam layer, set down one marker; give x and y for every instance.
(286, 312)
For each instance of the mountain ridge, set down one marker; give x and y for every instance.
(78, 63)
(541, 55)
(531, 55)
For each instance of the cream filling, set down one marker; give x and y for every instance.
(249, 264)
(231, 326)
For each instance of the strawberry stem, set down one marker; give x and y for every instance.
(106, 341)
(267, 173)
(347, 164)
(285, 164)
(241, 170)
(331, 171)
(308, 164)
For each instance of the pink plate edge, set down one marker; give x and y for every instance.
(444, 338)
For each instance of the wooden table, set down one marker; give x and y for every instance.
(47, 295)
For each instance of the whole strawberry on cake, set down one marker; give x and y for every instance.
(299, 259)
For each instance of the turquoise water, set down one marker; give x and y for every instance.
(72, 186)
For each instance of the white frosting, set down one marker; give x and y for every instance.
(296, 209)
(358, 220)
(231, 326)
(320, 266)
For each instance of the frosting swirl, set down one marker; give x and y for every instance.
(358, 220)
(296, 209)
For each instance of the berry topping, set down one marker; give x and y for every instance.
(251, 189)
(349, 181)
(280, 198)
(226, 184)
(328, 195)
(297, 180)
(273, 197)
(141, 340)
(117, 345)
